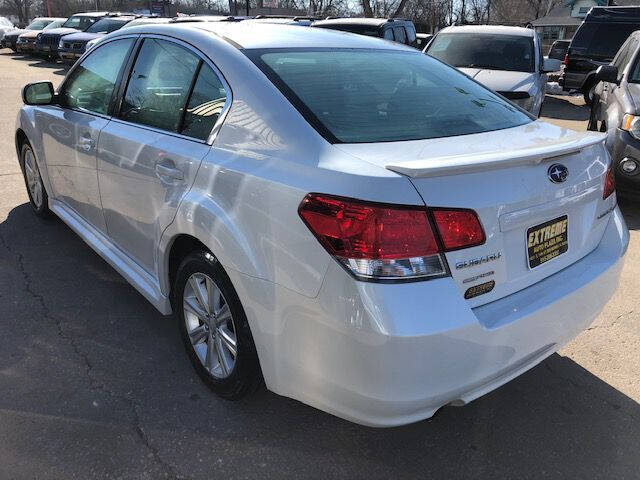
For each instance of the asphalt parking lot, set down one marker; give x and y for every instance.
(94, 382)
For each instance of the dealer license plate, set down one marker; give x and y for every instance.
(547, 241)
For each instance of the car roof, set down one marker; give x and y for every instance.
(376, 22)
(53, 19)
(254, 35)
(201, 18)
(491, 29)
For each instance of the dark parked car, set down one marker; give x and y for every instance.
(401, 31)
(11, 38)
(422, 40)
(616, 110)
(47, 42)
(559, 49)
(27, 40)
(595, 43)
(72, 46)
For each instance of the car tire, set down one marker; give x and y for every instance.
(38, 197)
(588, 91)
(211, 319)
(593, 121)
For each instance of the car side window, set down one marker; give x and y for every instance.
(159, 85)
(621, 57)
(411, 34)
(91, 83)
(205, 104)
(388, 33)
(400, 34)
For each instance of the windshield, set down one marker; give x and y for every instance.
(483, 50)
(56, 24)
(79, 22)
(354, 96)
(106, 25)
(368, 30)
(38, 24)
(4, 22)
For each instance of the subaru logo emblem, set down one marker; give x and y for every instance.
(557, 173)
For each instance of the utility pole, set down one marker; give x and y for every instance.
(247, 8)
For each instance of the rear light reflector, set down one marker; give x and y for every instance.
(458, 228)
(565, 61)
(388, 242)
(609, 183)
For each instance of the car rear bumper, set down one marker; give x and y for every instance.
(392, 354)
(572, 80)
(622, 145)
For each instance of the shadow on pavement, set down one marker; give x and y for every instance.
(41, 63)
(562, 109)
(85, 350)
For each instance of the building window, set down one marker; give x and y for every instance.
(551, 33)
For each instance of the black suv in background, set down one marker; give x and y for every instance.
(401, 31)
(595, 43)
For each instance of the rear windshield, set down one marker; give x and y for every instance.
(601, 40)
(368, 30)
(484, 50)
(80, 22)
(106, 25)
(38, 24)
(356, 96)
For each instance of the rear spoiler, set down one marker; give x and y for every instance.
(469, 163)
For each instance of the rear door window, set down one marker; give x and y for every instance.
(400, 34)
(411, 34)
(159, 85)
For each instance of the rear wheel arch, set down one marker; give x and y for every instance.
(181, 247)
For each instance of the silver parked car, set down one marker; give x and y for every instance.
(506, 59)
(333, 213)
(616, 110)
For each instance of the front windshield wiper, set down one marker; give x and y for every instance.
(480, 65)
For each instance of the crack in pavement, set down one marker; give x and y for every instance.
(94, 385)
(612, 324)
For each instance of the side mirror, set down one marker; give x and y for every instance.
(607, 73)
(39, 93)
(551, 65)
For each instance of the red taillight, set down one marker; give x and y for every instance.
(377, 241)
(458, 228)
(565, 60)
(609, 183)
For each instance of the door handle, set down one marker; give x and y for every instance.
(162, 171)
(86, 143)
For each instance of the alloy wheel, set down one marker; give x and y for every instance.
(34, 181)
(210, 325)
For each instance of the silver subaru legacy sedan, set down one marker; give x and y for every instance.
(357, 225)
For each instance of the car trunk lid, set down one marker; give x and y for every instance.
(504, 176)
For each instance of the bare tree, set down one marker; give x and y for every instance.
(20, 8)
